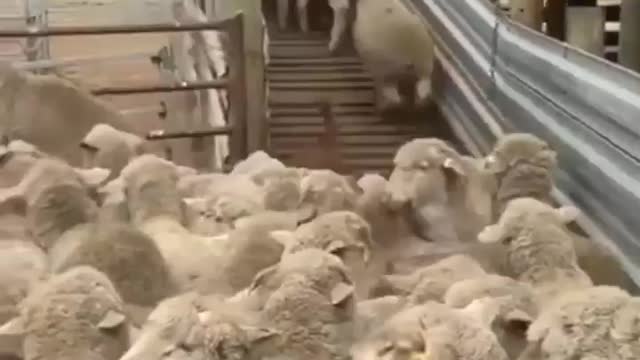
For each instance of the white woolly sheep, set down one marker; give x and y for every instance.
(226, 200)
(441, 186)
(55, 198)
(372, 313)
(324, 191)
(156, 208)
(22, 265)
(315, 321)
(539, 248)
(324, 272)
(435, 331)
(198, 185)
(110, 148)
(15, 161)
(50, 112)
(388, 219)
(256, 163)
(172, 331)
(342, 233)
(594, 323)
(128, 257)
(523, 165)
(444, 272)
(518, 307)
(76, 314)
(251, 248)
(394, 44)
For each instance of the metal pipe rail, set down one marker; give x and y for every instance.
(162, 135)
(234, 82)
(495, 76)
(158, 88)
(117, 29)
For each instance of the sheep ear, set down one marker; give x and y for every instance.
(341, 293)
(518, 321)
(305, 213)
(491, 234)
(454, 165)
(568, 214)
(94, 177)
(5, 155)
(88, 147)
(259, 334)
(284, 237)
(493, 165)
(13, 327)
(111, 320)
(335, 247)
(484, 310)
(12, 202)
(262, 276)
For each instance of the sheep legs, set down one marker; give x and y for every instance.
(339, 24)
(387, 95)
(423, 92)
(303, 15)
(283, 13)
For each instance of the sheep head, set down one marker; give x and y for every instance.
(323, 271)
(521, 212)
(425, 168)
(515, 148)
(174, 325)
(323, 191)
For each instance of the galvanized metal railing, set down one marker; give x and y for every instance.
(496, 76)
(234, 82)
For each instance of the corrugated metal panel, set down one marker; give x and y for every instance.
(505, 77)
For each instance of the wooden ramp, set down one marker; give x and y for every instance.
(302, 72)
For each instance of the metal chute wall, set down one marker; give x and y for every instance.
(501, 76)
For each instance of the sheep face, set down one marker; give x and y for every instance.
(512, 149)
(323, 271)
(104, 146)
(173, 326)
(323, 191)
(281, 188)
(534, 234)
(398, 338)
(151, 188)
(425, 171)
(54, 197)
(74, 314)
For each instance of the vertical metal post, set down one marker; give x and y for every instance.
(254, 65)
(585, 28)
(238, 99)
(528, 13)
(629, 55)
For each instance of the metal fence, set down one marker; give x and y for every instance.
(23, 14)
(496, 76)
(234, 82)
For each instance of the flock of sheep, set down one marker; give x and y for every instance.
(452, 257)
